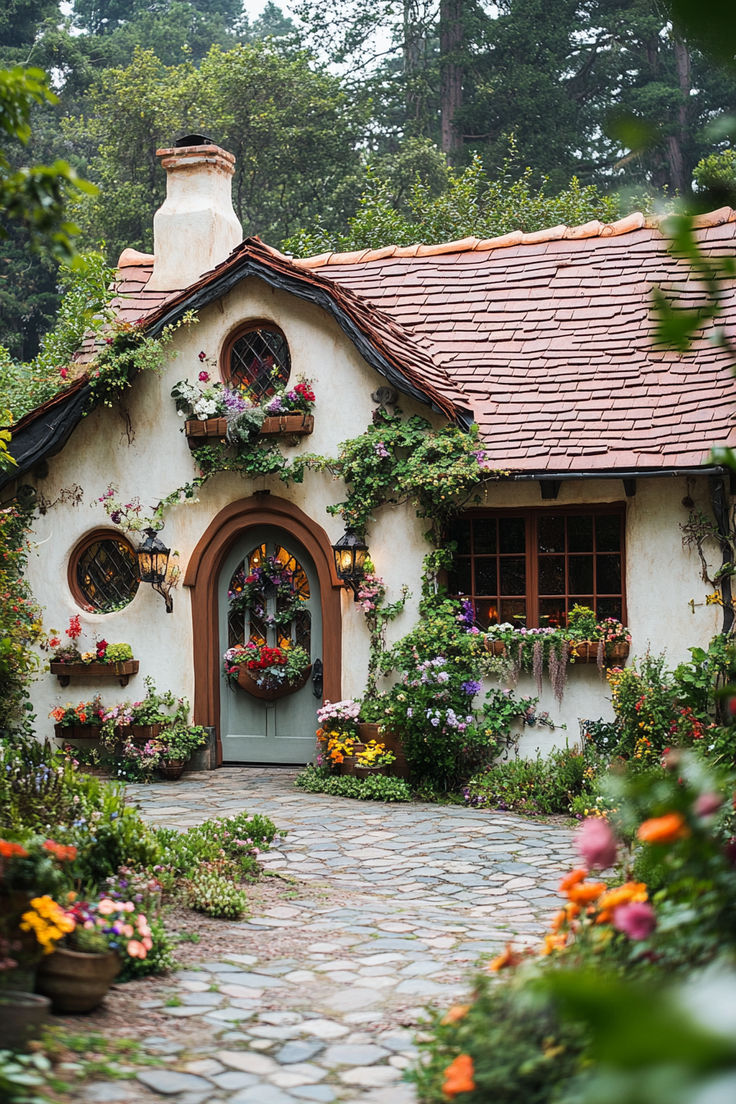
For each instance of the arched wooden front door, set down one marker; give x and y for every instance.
(225, 539)
(282, 730)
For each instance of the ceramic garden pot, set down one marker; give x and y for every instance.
(75, 981)
(22, 1016)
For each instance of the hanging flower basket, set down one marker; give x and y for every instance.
(121, 671)
(269, 688)
(495, 647)
(287, 425)
(199, 431)
(585, 651)
(617, 654)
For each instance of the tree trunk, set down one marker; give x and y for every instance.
(678, 141)
(414, 48)
(451, 43)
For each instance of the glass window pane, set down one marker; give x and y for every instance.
(484, 536)
(608, 533)
(552, 613)
(259, 363)
(580, 534)
(580, 571)
(512, 534)
(459, 578)
(609, 574)
(513, 575)
(486, 612)
(107, 574)
(551, 534)
(485, 575)
(513, 610)
(551, 574)
(609, 607)
(460, 533)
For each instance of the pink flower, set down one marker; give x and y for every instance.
(106, 907)
(204, 377)
(63, 372)
(202, 355)
(596, 843)
(136, 949)
(637, 919)
(707, 805)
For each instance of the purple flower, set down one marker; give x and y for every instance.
(381, 450)
(471, 688)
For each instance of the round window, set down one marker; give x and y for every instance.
(257, 361)
(103, 572)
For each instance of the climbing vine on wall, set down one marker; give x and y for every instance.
(400, 460)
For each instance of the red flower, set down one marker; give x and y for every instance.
(75, 629)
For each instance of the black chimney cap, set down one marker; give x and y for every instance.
(193, 140)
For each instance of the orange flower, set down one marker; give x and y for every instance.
(508, 957)
(586, 892)
(8, 849)
(572, 879)
(553, 943)
(457, 1012)
(622, 895)
(60, 851)
(664, 829)
(459, 1076)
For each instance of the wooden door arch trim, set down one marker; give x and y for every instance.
(202, 576)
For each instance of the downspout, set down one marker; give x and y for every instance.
(719, 503)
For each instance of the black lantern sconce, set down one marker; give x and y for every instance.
(153, 565)
(350, 554)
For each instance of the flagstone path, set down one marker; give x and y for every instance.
(385, 911)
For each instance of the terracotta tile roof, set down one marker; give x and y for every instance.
(551, 335)
(547, 337)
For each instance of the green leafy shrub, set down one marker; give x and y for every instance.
(533, 786)
(216, 896)
(520, 1049)
(376, 787)
(159, 959)
(235, 841)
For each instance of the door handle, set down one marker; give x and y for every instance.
(317, 678)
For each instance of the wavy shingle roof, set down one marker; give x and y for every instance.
(547, 337)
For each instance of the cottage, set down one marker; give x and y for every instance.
(595, 441)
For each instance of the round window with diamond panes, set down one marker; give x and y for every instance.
(256, 360)
(103, 572)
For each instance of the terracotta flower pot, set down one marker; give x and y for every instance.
(247, 682)
(75, 981)
(348, 765)
(392, 741)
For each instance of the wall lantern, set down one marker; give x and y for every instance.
(153, 564)
(350, 555)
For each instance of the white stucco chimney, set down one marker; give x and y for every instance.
(196, 227)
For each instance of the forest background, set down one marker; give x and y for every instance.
(355, 123)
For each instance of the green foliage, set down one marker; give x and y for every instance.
(216, 896)
(643, 696)
(520, 1047)
(375, 787)
(533, 787)
(401, 459)
(235, 840)
(472, 204)
(20, 625)
(37, 195)
(262, 457)
(84, 286)
(21, 1075)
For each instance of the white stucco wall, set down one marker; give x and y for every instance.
(154, 459)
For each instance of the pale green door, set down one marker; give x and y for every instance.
(253, 730)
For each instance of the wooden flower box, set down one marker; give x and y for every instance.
(121, 671)
(287, 425)
(76, 732)
(495, 647)
(586, 651)
(199, 432)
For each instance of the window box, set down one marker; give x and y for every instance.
(121, 671)
(288, 425)
(199, 431)
(77, 732)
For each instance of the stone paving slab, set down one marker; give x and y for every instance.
(409, 898)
